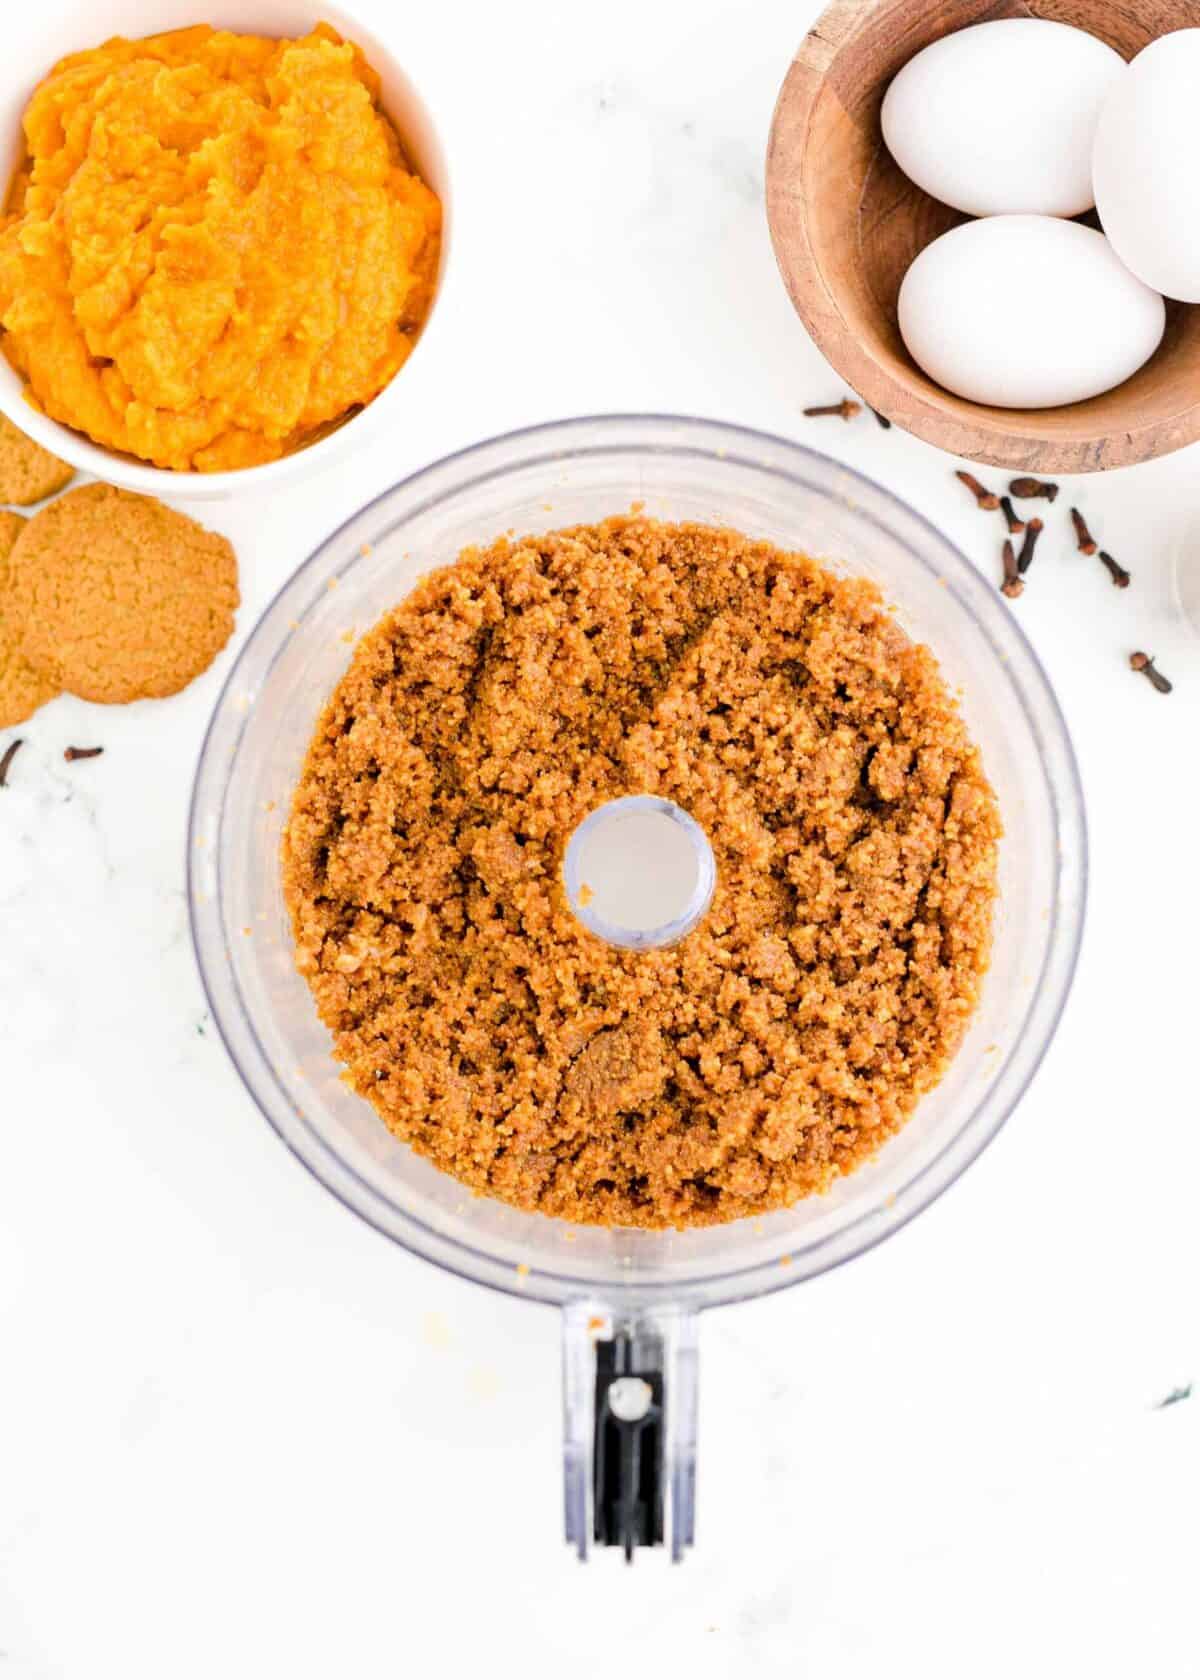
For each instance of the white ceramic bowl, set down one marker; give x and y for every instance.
(45, 38)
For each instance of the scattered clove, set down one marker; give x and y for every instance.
(882, 419)
(1032, 532)
(1015, 525)
(9, 754)
(1013, 584)
(1030, 487)
(1116, 571)
(1087, 543)
(1142, 662)
(983, 497)
(72, 753)
(846, 409)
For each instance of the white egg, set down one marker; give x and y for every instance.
(1146, 165)
(1027, 312)
(999, 118)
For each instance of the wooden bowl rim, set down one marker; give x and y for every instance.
(981, 437)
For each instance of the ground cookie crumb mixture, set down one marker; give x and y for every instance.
(855, 838)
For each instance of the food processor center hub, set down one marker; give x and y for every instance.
(639, 872)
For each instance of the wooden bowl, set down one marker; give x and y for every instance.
(846, 224)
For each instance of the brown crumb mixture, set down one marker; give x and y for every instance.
(855, 837)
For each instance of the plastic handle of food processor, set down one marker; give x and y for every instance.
(629, 1426)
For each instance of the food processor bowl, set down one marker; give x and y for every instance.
(630, 1297)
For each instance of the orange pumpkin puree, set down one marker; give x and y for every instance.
(215, 248)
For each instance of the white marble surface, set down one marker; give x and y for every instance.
(239, 1434)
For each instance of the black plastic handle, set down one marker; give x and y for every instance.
(629, 1447)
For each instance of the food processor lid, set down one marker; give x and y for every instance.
(679, 467)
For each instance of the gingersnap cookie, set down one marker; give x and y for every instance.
(23, 688)
(120, 597)
(27, 471)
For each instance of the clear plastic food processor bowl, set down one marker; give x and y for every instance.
(630, 1298)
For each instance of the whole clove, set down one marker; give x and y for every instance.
(1087, 543)
(846, 409)
(1032, 532)
(983, 497)
(1013, 584)
(72, 753)
(1115, 570)
(1015, 525)
(882, 419)
(9, 754)
(1143, 663)
(1025, 488)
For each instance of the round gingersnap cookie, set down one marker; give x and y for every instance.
(23, 688)
(120, 597)
(27, 471)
